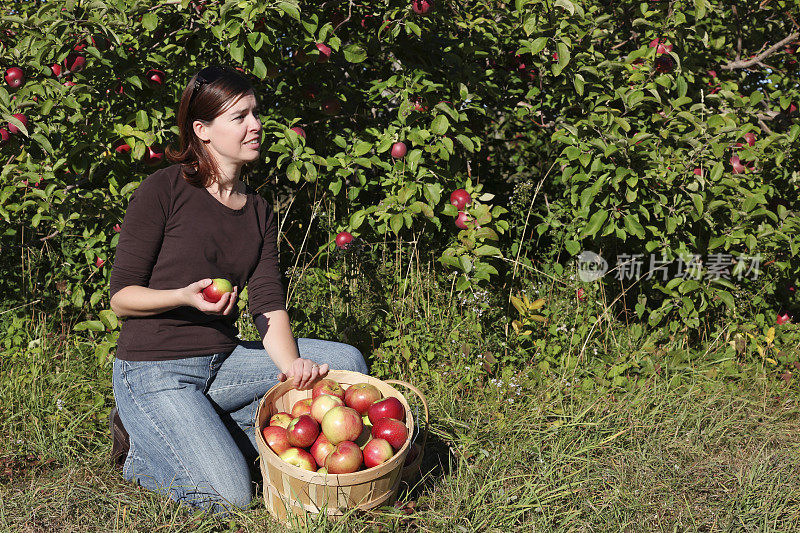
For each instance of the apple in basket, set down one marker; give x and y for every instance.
(302, 407)
(377, 451)
(322, 404)
(321, 449)
(276, 438)
(327, 386)
(342, 423)
(299, 458)
(281, 419)
(387, 408)
(303, 431)
(394, 431)
(345, 458)
(360, 396)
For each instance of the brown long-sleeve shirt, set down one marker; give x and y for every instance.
(175, 234)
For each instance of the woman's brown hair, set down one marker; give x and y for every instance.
(207, 95)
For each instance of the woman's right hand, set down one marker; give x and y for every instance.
(194, 296)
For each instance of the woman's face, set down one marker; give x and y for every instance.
(230, 135)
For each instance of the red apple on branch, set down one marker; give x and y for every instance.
(345, 458)
(153, 156)
(300, 131)
(74, 62)
(377, 451)
(736, 164)
(4, 136)
(783, 318)
(15, 77)
(343, 240)
(360, 396)
(664, 64)
(324, 52)
(277, 438)
(750, 137)
(387, 408)
(12, 128)
(393, 431)
(303, 431)
(299, 458)
(399, 150)
(422, 7)
(463, 219)
(155, 77)
(342, 423)
(460, 199)
(214, 292)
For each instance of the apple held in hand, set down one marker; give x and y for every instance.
(377, 451)
(321, 449)
(299, 458)
(393, 431)
(360, 396)
(302, 407)
(345, 458)
(277, 438)
(322, 404)
(327, 386)
(341, 424)
(387, 408)
(218, 287)
(303, 431)
(282, 419)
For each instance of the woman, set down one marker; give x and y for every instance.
(186, 387)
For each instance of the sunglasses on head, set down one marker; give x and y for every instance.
(205, 76)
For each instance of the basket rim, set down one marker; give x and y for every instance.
(398, 459)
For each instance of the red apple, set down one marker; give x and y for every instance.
(660, 47)
(300, 131)
(360, 396)
(342, 423)
(345, 458)
(12, 128)
(321, 449)
(299, 458)
(331, 107)
(121, 147)
(4, 136)
(783, 318)
(738, 167)
(99, 262)
(377, 451)
(153, 156)
(387, 408)
(581, 294)
(422, 7)
(277, 438)
(343, 240)
(462, 219)
(698, 172)
(327, 386)
(303, 431)
(399, 150)
(302, 407)
(74, 62)
(322, 404)
(750, 137)
(219, 286)
(15, 77)
(155, 77)
(460, 199)
(282, 419)
(394, 431)
(324, 52)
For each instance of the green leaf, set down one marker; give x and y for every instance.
(439, 125)
(109, 318)
(488, 250)
(726, 297)
(529, 25)
(149, 21)
(90, 325)
(595, 223)
(354, 53)
(579, 82)
(237, 53)
(538, 45)
(357, 218)
(361, 148)
(259, 68)
(290, 9)
(396, 223)
(567, 5)
(465, 263)
(573, 247)
(466, 142)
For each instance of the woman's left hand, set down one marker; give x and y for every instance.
(304, 373)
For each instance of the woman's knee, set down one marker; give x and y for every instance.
(354, 360)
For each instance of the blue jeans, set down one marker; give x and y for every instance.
(190, 420)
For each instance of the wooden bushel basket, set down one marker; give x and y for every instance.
(289, 490)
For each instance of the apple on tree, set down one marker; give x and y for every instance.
(463, 219)
(218, 287)
(15, 77)
(324, 52)
(422, 7)
(343, 240)
(783, 318)
(399, 150)
(155, 77)
(460, 199)
(153, 155)
(4, 136)
(300, 131)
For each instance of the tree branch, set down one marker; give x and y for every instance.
(740, 63)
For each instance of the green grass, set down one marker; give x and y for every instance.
(521, 455)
